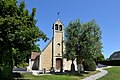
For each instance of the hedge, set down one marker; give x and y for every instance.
(110, 62)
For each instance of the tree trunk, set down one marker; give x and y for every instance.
(7, 67)
(72, 67)
(80, 65)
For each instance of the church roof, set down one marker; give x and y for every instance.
(115, 56)
(47, 44)
(34, 55)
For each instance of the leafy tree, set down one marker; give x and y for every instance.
(36, 48)
(83, 41)
(70, 41)
(99, 57)
(18, 34)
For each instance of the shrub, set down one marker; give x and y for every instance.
(89, 65)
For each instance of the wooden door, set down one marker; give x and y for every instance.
(58, 63)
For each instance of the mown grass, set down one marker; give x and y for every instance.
(69, 76)
(50, 77)
(113, 74)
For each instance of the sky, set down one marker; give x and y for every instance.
(105, 12)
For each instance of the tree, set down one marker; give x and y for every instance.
(70, 34)
(18, 34)
(83, 41)
(99, 57)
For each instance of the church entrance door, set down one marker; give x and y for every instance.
(59, 64)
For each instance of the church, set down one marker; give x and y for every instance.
(52, 56)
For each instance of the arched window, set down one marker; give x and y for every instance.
(60, 27)
(56, 26)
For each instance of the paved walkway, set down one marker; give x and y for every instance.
(98, 75)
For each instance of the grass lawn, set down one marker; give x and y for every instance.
(113, 74)
(58, 76)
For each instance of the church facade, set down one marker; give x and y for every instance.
(52, 56)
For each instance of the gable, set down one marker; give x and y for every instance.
(47, 45)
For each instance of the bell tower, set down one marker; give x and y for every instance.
(58, 36)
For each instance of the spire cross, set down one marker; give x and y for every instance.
(58, 14)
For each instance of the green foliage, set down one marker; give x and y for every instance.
(18, 34)
(99, 57)
(83, 41)
(89, 65)
(24, 64)
(36, 48)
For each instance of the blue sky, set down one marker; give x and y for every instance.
(105, 12)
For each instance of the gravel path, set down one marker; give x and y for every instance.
(98, 75)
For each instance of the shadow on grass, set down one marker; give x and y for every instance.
(69, 73)
(26, 76)
(17, 75)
